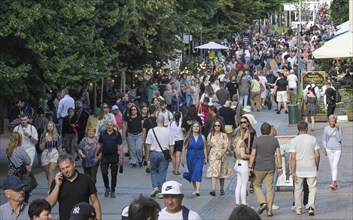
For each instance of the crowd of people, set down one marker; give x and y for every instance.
(194, 120)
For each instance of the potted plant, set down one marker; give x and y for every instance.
(321, 113)
(347, 97)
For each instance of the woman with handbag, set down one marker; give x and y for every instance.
(311, 107)
(86, 152)
(51, 145)
(194, 147)
(217, 143)
(241, 158)
(19, 161)
(250, 136)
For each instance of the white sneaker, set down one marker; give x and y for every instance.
(275, 207)
(298, 212)
(193, 193)
(160, 196)
(154, 192)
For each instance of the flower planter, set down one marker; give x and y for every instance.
(350, 116)
(320, 117)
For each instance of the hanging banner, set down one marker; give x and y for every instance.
(316, 77)
(284, 142)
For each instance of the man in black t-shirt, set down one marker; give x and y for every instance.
(110, 144)
(330, 99)
(281, 89)
(71, 187)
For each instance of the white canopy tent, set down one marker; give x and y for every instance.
(342, 28)
(340, 46)
(211, 45)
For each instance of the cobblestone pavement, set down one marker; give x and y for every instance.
(134, 181)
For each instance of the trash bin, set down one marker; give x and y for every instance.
(293, 113)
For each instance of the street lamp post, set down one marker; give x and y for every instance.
(298, 49)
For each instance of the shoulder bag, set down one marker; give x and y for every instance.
(166, 153)
(26, 177)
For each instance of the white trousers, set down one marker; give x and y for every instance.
(242, 181)
(333, 157)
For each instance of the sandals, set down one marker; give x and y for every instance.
(213, 193)
(251, 189)
(221, 192)
(176, 173)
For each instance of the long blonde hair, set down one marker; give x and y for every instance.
(190, 132)
(15, 141)
(240, 136)
(55, 133)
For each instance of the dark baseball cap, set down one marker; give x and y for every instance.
(13, 183)
(82, 211)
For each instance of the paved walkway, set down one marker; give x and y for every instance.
(330, 204)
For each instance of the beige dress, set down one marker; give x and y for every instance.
(218, 168)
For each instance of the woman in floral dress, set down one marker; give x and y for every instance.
(217, 143)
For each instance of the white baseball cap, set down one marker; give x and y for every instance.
(125, 213)
(172, 188)
(115, 107)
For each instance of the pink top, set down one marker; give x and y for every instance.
(119, 120)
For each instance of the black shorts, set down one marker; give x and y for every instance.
(178, 146)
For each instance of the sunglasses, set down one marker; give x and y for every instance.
(243, 122)
(217, 125)
(105, 106)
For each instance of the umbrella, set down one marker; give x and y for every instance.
(340, 46)
(211, 45)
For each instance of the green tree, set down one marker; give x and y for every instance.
(340, 11)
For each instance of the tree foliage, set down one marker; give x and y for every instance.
(340, 11)
(45, 45)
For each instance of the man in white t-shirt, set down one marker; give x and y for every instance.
(304, 164)
(168, 116)
(29, 136)
(158, 138)
(65, 103)
(173, 196)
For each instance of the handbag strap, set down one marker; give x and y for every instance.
(157, 139)
(12, 163)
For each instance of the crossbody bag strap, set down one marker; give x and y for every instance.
(157, 139)
(185, 213)
(12, 163)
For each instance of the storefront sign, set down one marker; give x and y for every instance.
(316, 77)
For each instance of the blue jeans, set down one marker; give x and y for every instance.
(159, 168)
(135, 145)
